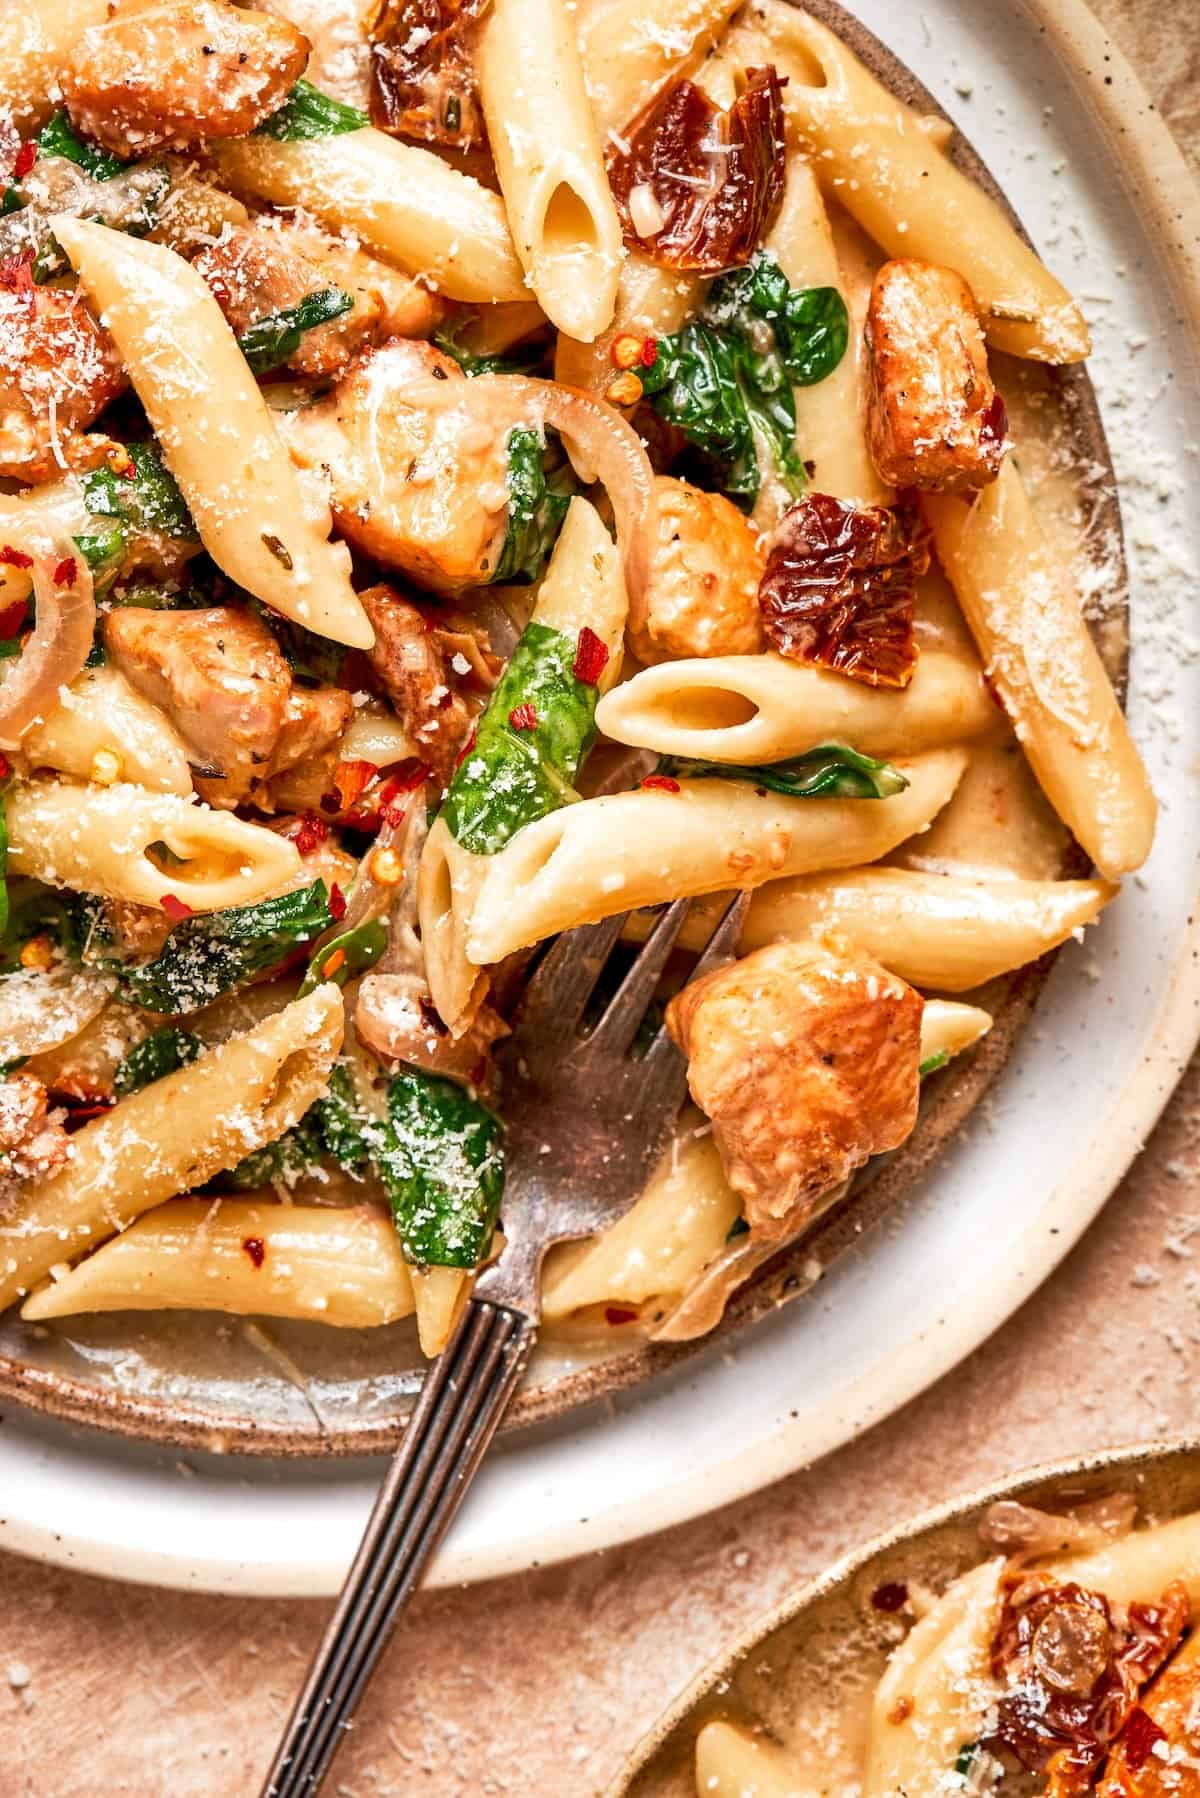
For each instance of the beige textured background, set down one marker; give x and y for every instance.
(541, 1684)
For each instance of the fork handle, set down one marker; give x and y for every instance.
(464, 1397)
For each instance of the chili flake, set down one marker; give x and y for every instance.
(256, 1248)
(15, 558)
(5, 767)
(467, 747)
(627, 350)
(591, 657)
(27, 155)
(617, 1314)
(12, 618)
(891, 1596)
(38, 953)
(661, 783)
(311, 833)
(65, 572)
(175, 907)
(650, 352)
(523, 717)
(337, 902)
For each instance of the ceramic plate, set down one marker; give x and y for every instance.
(827, 1638)
(1115, 1024)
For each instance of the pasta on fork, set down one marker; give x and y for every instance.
(513, 477)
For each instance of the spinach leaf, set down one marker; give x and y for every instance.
(829, 771)
(149, 502)
(359, 948)
(537, 505)
(58, 137)
(70, 920)
(728, 374)
(932, 1063)
(289, 1156)
(471, 364)
(442, 1166)
(345, 1129)
(269, 342)
(163, 1052)
(211, 954)
(307, 113)
(511, 776)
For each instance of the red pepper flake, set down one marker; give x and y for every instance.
(396, 784)
(175, 908)
(467, 747)
(16, 275)
(78, 1115)
(890, 1597)
(1139, 1738)
(15, 558)
(256, 1248)
(661, 783)
(617, 1314)
(27, 155)
(12, 618)
(5, 767)
(64, 573)
(523, 717)
(350, 779)
(591, 657)
(650, 352)
(310, 833)
(337, 902)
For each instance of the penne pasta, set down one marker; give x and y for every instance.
(406, 204)
(614, 854)
(106, 840)
(630, 47)
(1047, 672)
(763, 708)
(550, 163)
(173, 1136)
(879, 160)
(337, 1265)
(215, 429)
(1136, 1568)
(732, 1763)
(650, 301)
(104, 730)
(936, 931)
(948, 1028)
(439, 1294)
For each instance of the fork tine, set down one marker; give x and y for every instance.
(562, 983)
(627, 1007)
(659, 1060)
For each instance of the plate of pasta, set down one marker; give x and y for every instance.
(418, 538)
(1038, 1637)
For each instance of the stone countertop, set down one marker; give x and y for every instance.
(542, 1683)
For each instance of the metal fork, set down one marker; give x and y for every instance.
(585, 1123)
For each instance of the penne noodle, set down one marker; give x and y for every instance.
(173, 1136)
(763, 708)
(583, 585)
(216, 431)
(933, 930)
(626, 850)
(733, 1763)
(439, 1294)
(104, 730)
(1138, 1566)
(550, 163)
(881, 162)
(1047, 672)
(326, 1263)
(948, 1028)
(36, 41)
(104, 840)
(405, 203)
(630, 47)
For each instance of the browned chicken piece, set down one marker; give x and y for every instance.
(397, 1020)
(171, 76)
(413, 667)
(702, 595)
(58, 371)
(314, 721)
(32, 1140)
(420, 483)
(302, 788)
(256, 271)
(805, 1056)
(1157, 1754)
(934, 418)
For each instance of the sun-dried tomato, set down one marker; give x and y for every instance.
(176, 909)
(591, 657)
(523, 717)
(1072, 1672)
(423, 70)
(839, 584)
(1139, 1738)
(714, 177)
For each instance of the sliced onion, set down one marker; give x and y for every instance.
(604, 446)
(1017, 1529)
(42, 1011)
(58, 648)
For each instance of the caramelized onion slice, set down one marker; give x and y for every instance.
(42, 1011)
(1017, 1529)
(58, 647)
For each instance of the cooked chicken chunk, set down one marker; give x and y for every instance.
(255, 272)
(314, 720)
(805, 1056)
(58, 371)
(1157, 1754)
(934, 418)
(32, 1140)
(412, 664)
(420, 483)
(702, 595)
(170, 76)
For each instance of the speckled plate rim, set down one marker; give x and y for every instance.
(493, 1539)
(191, 1427)
(756, 1635)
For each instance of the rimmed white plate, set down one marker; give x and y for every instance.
(1115, 1026)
